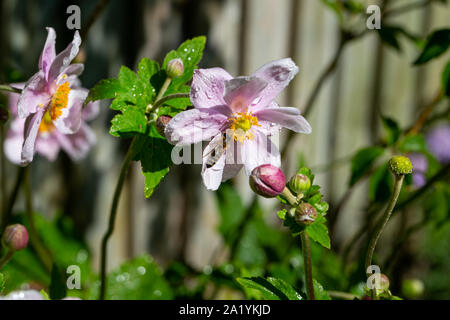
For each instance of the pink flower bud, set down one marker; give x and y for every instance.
(15, 237)
(175, 68)
(305, 214)
(161, 123)
(267, 180)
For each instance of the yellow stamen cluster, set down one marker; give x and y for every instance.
(241, 125)
(59, 100)
(46, 123)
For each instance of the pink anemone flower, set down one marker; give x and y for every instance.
(52, 98)
(49, 140)
(238, 115)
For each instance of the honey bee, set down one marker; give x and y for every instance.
(217, 150)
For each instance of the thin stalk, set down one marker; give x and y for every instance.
(12, 199)
(112, 217)
(342, 295)
(379, 229)
(306, 250)
(169, 97)
(42, 252)
(6, 258)
(163, 89)
(8, 88)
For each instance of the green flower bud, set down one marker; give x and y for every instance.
(305, 214)
(400, 165)
(300, 183)
(384, 283)
(161, 123)
(175, 68)
(15, 237)
(412, 288)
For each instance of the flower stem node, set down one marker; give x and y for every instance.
(300, 183)
(400, 165)
(4, 115)
(267, 180)
(161, 123)
(15, 237)
(305, 214)
(175, 68)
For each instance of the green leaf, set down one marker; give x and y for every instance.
(130, 122)
(270, 288)
(154, 153)
(137, 279)
(318, 231)
(190, 52)
(446, 80)
(104, 89)
(147, 68)
(362, 162)
(58, 288)
(319, 291)
(437, 43)
(389, 35)
(393, 130)
(413, 143)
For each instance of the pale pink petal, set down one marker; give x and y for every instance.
(14, 141)
(32, 124)
(233, 163)
(33, 94)
(77, 145)
(64, 58)
(194, 125)
(240, 92)
(70, 120)
(277, 74)
(13, 98)
(287, 117)
(260, 150)
(213, 164)
(208, 86)
(48, 53)
(47, 146)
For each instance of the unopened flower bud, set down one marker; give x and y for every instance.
(267, 180)
(15, 237)
(161, 123)
(305, 214)
(384, 282)
(412, 288)
(300, 183)
(400, 165)
(4, 115)
(175, 68)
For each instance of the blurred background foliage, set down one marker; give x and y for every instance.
(374, 93)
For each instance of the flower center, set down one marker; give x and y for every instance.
(59, 100)
(46, 123)
(241, 124)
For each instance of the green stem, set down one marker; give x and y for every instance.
(6, 258)
(112, 217)
(379, 229)
(169, 97)
(306, 250)
(163, 89)
(42, 252)
(12, 199)
(342, 295)
(289, 197)
(8, 88)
